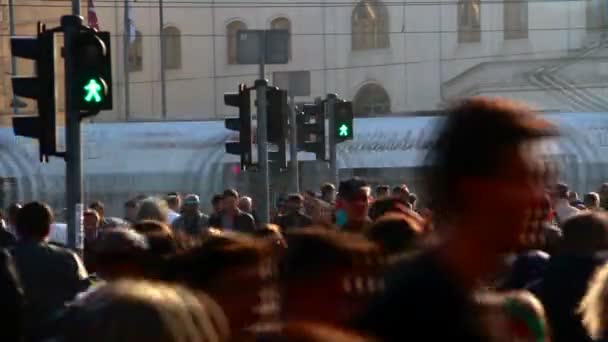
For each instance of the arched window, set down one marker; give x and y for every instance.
(231, 39)
(597, 15)
(172, 43)
(283, 24)
(371, 100)
(370, 26)
(136, 53)
(515, 19)
(469, 21)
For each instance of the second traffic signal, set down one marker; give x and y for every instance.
(241, 124)
(311, 130)
(343, 121)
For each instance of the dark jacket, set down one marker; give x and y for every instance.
(11, 299)
(294, 220)
(191, 226)
(50, 275)
(7, 239)
(243, 222)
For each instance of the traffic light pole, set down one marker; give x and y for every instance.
(329, 114)
(73, 153)
(293, 146)
(263, 203)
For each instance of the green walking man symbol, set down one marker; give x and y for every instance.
(93, 89)
(343, 131)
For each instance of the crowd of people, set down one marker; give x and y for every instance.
(493, 249)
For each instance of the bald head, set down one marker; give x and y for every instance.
(246, 204)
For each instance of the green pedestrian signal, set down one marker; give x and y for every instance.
(93, 91)
(343, 131)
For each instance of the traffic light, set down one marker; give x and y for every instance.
(92, 79)
(311, 130)
(41, 88)
(242, 124)
(277, 115)
(343, 121)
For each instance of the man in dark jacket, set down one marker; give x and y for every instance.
(191, 221)
(231, 217)
(294, 218)
(50, 275)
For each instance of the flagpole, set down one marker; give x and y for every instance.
(163, 85)
(125, 56)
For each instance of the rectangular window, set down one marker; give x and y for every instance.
(515, 19)
(469, 21)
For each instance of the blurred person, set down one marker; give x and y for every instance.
(272, 233)
(246, 206)
(130, 208)
(352, 205)
(142, 311)
(174, 203)
(192, 220)
(12, 211)
(593, 308)
(396, 233)
(328, 276)
(159, 235)
(391, 204)
(294, 216)
(591, 201)
(603, 191)
(328, 193)
(513, 316)
(574, 199)
(91, 226)
(526, 270)
(99, 207)
(12, 300)
(50, 275)
(382, 191)
(314, 332)
(412, 199)
(220, 265)
(481, 185)
(402, 191)
(231, 217)
(7, 239)
(584, 235)
(120, 253)
(217, 202)
(542, 233)
(561, 205)
(153, 208)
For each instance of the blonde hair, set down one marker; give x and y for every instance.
(593, 308)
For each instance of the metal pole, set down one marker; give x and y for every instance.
(163, 85)
(329, 110)
(293, 146)
(260, 87)
(125, 59)
(73, 154)
(11, 15)
(76, 7)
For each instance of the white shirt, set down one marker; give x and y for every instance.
(172, 216)
(564, 210)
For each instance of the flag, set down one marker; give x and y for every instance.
(130, 19)
(92, 15)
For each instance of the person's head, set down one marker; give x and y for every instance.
(594, 306)
(222, 260)
(98, 207)
(353, 198)
(561, 192)
(173, 201)
(585, 233)
(153, 208)
(328, 192)
(217, 203)
(12, 211)
(482, 175)
(120, 253)
(382, 191)
(391, 204)
(246, 204)
(513, 316)
(91, 222)
(231, 199)
(294, 203)
(131, 210)
(573, 197)
(402, 191)
(592, 201)
(396, 233)
(142, 311)
(191, 206)
(34, 221)
(328, 276)
(412, 198)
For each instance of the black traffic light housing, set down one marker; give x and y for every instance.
(343, 121)
(92, 79)
(41, 88)
(311, 129)
(277, 111)
(242, 124)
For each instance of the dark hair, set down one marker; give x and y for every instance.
(160, 237)
(131, 204)
(230, 193)
(351, 186)
(98, 206)
(382, 188)
(472, 141)
(34, 220)
(172, 200)
(217, 198)
(586, 232)
(395, 232)
(386, 205)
